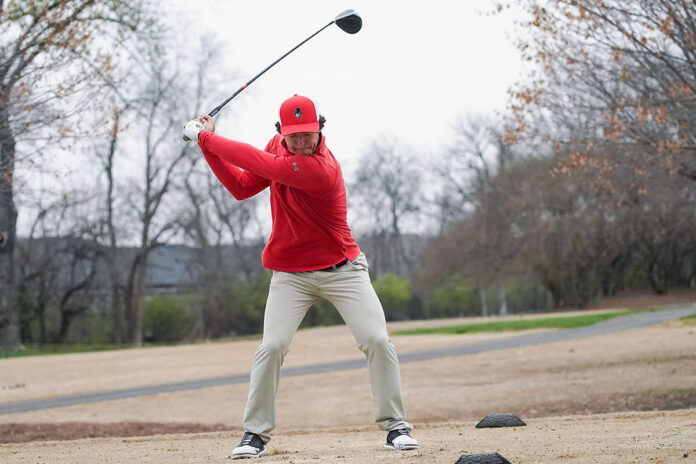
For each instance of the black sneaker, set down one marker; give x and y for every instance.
(251, 446)
(400, 440)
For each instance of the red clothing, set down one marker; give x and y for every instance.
(308, 199)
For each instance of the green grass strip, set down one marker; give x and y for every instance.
(41, 350)
(689, 320)
(71, 348)
(562, 322)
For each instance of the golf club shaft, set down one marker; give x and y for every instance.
(214, 111)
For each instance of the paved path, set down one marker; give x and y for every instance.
(635, 321)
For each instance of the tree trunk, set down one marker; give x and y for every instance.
(41, 313)
(114, 278)
(9, 309)
(139, 303)
(502, 299)
(116, 302)
(484, 301)
(135, 297)
(65, 322)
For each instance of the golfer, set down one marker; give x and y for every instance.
(312, 255)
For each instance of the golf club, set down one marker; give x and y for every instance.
(349, 21)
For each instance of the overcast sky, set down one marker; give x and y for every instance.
(410, 73)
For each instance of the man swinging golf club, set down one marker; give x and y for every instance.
(312, 255)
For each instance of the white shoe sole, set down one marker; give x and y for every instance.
(248, 456)
(402, 448)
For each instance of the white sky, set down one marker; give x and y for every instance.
(410, 73)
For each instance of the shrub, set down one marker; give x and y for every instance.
(453, 298)
(322, 313)
(395, 294)
(234, 307)
(167, 318)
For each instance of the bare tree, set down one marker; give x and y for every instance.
(214, 216)
(620, 71)
(387, 193)
(108, 162)
(57, 266)
(49, 51)
(581, 232)
(163, 155)
(230, 237)
(612, 93)
(214, 220)
(463, 175)
(142, 202)
(108, 129)
(462, 171)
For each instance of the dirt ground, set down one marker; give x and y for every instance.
(624, 397)
(638, 437)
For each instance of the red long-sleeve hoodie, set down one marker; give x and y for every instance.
(308, 199)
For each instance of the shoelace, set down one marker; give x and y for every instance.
(399, 432)
(247, 439)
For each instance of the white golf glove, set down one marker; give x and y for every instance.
(191, 130)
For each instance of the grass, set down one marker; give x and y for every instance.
(689, 320)
(562, 322)
(682, 391)
(652, 309)
(41, 350)
(70, 348)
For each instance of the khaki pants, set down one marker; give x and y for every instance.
(349, 289)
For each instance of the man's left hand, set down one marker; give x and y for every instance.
(192, 129)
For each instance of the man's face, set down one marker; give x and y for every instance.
(302, 143)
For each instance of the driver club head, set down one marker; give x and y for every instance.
(349, 21)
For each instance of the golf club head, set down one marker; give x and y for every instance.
(349, 21)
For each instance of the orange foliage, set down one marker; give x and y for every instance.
(583, 12)
(661, 117)
(666, 25)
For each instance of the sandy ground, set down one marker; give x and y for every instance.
(624, 397)
(648, 437)
(37, 377)
(23, 379)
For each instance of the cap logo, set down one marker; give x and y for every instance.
(298, 113)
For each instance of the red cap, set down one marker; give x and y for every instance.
(298, 114)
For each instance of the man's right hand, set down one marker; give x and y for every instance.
(208, 122)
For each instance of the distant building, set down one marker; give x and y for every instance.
(177, 268)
